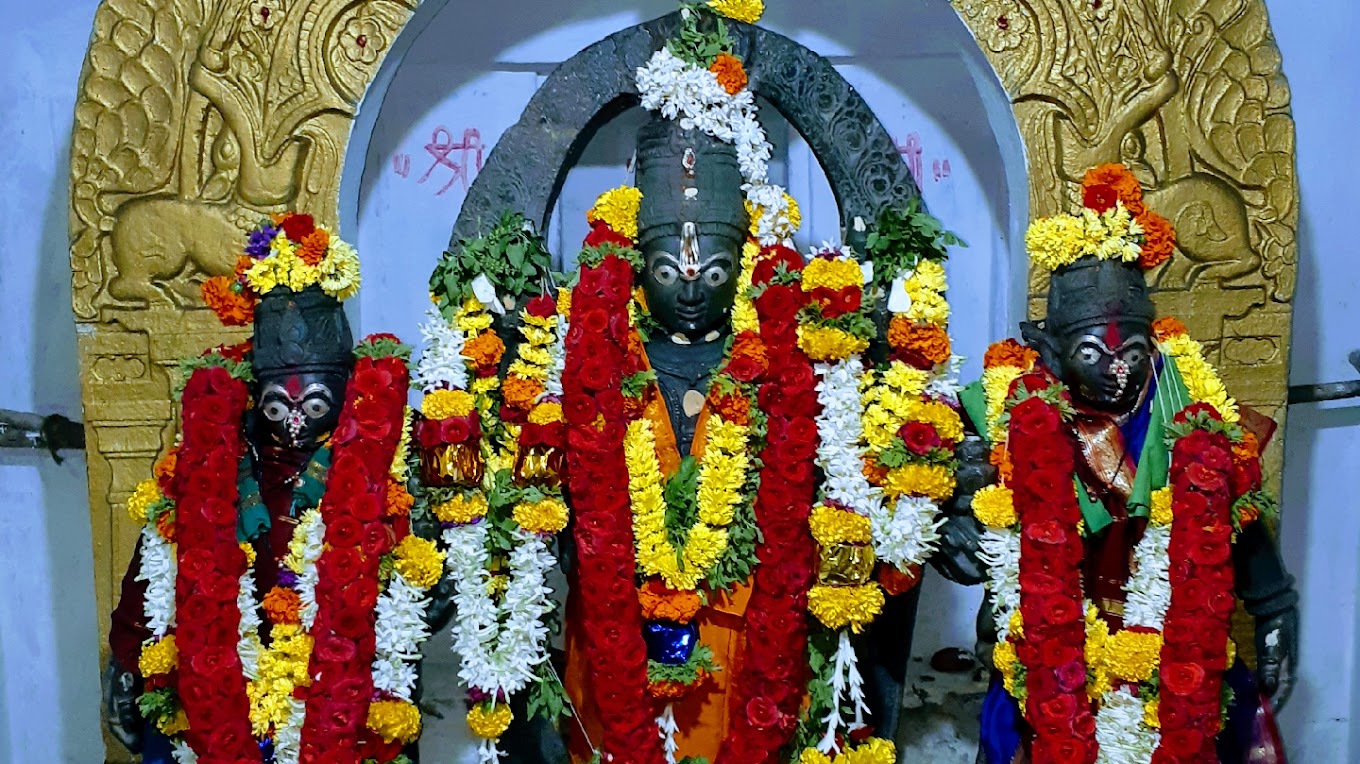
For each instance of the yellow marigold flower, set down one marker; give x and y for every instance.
(1133, 656)
(1017, 624)
(399, 470)
(1151, 712)
(831, 525)
(929, 274)
(489, 722)
(1161, 506)
(472, 317)
(249, 553)
(748, 11)
(545, 413)
(445, 404)
(159, 657)
(996, 387)
(618, 208)
(1056, 241)
(173, 725)
(1201, 380)
(546, 516)
(564, 301)
(832, 273)
(484, 385)
(941, 416)
(143, 496)
(928, 306)
(905, 379)
(461, 509)
(394, 720)
(813, 756)
(419, 561)
(1232, 654)
(840, 606)
(828, 344)
(875, 750)
(1005, 660)
(994, 507)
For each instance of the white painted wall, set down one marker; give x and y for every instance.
(475, 68)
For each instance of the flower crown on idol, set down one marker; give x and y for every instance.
(1114, 224)
(287, 250)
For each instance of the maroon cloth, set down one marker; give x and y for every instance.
(277, 468)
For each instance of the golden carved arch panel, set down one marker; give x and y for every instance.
(194, 117)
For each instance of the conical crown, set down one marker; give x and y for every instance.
(687, 176)
(1090, 292)
(300, 332)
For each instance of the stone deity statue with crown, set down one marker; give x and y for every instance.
(276, 603)
(739, 453)
(1127, 519)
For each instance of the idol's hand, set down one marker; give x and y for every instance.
(440, 610)
(1277, 640)
(958, 558)
(975, 472)
(121, 714)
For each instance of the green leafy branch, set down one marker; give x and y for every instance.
(903, 238)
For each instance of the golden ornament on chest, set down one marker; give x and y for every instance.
(845, 565)
(539, 465)
(453, 465)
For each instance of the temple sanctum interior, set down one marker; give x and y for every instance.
(679, 381)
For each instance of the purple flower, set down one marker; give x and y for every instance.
(287, 578)
(258, 246)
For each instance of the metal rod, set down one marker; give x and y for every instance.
(1329, 391)
(54, 432)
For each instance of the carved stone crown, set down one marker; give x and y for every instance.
(1091, 292)
(301, 332)
(687, 176)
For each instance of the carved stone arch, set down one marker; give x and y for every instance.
(526, 170)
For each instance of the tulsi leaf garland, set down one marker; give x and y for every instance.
(211, 686)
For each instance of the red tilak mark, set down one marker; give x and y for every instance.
(1112, 338)
(293, 386)
(441, 145)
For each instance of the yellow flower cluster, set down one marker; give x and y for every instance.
(535, 356)
(545, 413)
(484, 385)
(926, 287)
(931, 480)
(1201, 380)
(489, 722)
(472, 318)
(994, 507)
(996, 387)
(461, 509)
(747, 11)
(400, 469)
(1152, 712)
(394, 720)
(704, 543)
(744, 318)
(840, 606)
(889, 402)
(831, 526)
(173, 725)
(941, 416)
(337, 274)
(872, 751)
(419, 561)
(546, 516)
(1161, 506)
(722, 471)
(1006, 661)
(795, 216)
(159, 657)
(833, 273)
(446, 404)
(825, 343)
(282, 669)
(1125, 655)
(146, 493)
(1016, 626)
(249, 552)
(1061, 240)
(618, 208)
(297, 545)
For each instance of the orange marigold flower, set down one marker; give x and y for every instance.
(1009, 353)
(749, 345)
(521, 392)
(1167, 327)
(399, 500)
(485, 350)
(243, 263)
(232, 308)
(676, 690)
(660, 603)
(1159, 240)
(731, 74)
(1248, 514)
(899, 330)
(733, 408)
(314, 246)
(929, 341)
(165, 525)
(282, 605)
(874, 472)
(1118, 177)
(165, 468)
(895, 582)
(1248, 448)
(1000, 458)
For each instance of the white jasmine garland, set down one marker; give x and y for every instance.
(501, 645)
(558, 355)
(158, 570)
(839, 428)
(666, 725)
(248, 628)
(400, 631)
(288, 738)
(183, 753)
(1149, 586)
(1122, 736)
(846, 686)
(306, 545)
(908, 533)
(442, 365)
(1000, 552)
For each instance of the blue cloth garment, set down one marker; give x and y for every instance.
(156, 748)
(1000, 724)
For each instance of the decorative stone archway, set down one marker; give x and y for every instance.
(196, 116)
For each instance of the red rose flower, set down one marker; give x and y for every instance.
(601, 234)
(541, 306)
(378, 540)
(1182, 678)
(1246, 477)
(579, 409)
(920, 438)
(763, 713)
(779, 303)
(770, 261)
(297, 226)
(1071, 676)
(1099, 197)
(744, 369)
(1185, 744)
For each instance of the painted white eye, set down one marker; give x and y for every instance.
(274, 411)
(1088, 355)
(665, 274)
(1135, 356)
(715, 277)
(315, 408)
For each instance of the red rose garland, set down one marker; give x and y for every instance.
(1194, 651)
(212, 688)
(1051, 549)
(357, 536)
(769, 690)
(610, 613)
